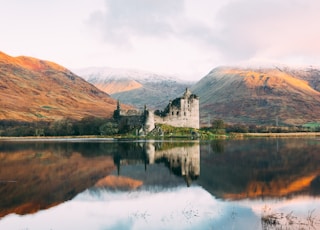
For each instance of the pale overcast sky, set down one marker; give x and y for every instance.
(184, 37)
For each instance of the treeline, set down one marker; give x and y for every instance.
(109, 126)
(220, 127)
(65, 127)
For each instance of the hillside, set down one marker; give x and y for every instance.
(260, 96)
(134, 87)
(33, 89)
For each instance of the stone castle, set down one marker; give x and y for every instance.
(181, 112)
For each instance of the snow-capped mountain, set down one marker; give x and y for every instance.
(135, 87)
(108, 73)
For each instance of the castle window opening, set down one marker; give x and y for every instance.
(177, 113)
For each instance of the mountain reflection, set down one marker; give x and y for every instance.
(37, 175)
(255, 168)
(45, 174)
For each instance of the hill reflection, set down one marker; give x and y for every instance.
(45, 174)
(38, 175)
(261, 168)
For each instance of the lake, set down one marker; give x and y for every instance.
(107, 184)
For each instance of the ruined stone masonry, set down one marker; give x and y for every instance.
(181, 112)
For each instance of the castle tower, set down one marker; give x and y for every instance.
(187, 93)
(189, 106)
(118, 105)
(182, 112)
(149, 120)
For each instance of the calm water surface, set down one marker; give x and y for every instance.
(104, 184)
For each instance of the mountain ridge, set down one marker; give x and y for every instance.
(34, 89)
(259, 96)
(136, 87)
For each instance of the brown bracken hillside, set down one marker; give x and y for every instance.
(266, 96)
(33, 89)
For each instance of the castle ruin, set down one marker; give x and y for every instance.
(181, 112)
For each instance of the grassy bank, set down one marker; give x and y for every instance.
(296, 134)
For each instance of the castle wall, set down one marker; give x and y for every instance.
(181, 112)
(134, 121)
(129, 113)
(184, 113)
(143, 120)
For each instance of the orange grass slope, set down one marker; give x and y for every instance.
(117, 86)
(258, 96)
(33, 89)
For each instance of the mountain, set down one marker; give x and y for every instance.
(33, 89)
(111, 80)
(135, 87)
(269, 96)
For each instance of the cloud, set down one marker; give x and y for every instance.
(187, 35)
(166, 36)
(269, 29)
(121, 19)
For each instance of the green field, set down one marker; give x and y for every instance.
(312, 125)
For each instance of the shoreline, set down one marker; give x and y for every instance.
(295, 134)
(115, 138)
(59, 139)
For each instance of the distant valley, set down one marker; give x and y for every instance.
(134, 87)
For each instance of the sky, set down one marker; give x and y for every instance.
(187, 38)
(185, 208)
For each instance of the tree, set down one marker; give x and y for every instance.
(89, 125)
(109, 128)
(63, 127)
(218, 126)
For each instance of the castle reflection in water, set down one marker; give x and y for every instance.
(181, 160)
